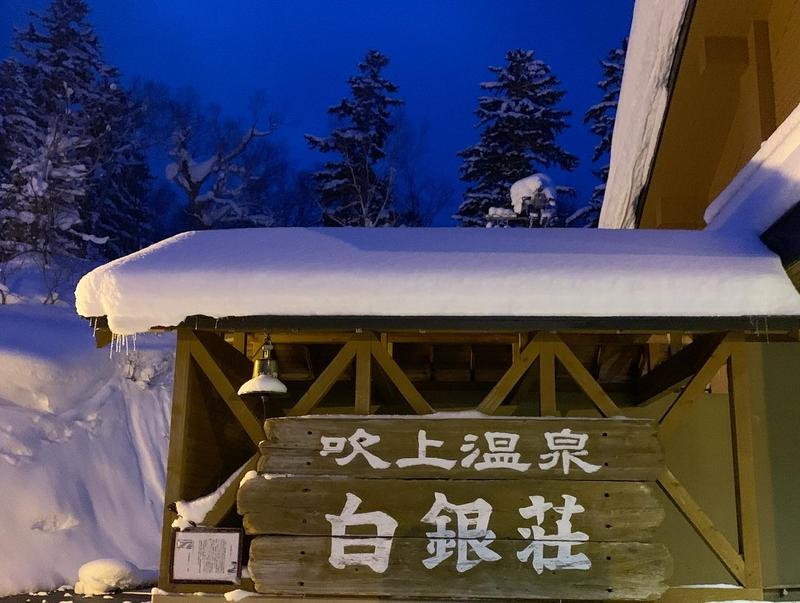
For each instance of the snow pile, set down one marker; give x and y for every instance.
(108, 575)
(83, 440)
(643, 100)
(766, 188)
(438, 272)
(193, 512)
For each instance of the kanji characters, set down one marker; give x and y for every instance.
(463, 530)
(378, 558)
(567, 447)
(563, 540)
(471, 538)
(359, 442)
(502, 452)
(422, 458)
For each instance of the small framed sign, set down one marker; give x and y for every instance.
(206, 555)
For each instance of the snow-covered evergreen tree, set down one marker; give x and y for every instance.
(18, 136)
(356, 189)
(600, 118)
(43, 191)
(521, 121)
(75, 167)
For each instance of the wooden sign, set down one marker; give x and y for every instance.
(505, 508)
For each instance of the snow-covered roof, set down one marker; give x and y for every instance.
(438, 272)
(653, 42)
(765, 189)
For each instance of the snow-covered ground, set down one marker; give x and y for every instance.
(83, 439)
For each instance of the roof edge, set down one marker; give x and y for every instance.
(677, 59)
(761, 325)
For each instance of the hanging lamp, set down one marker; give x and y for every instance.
(265, 374)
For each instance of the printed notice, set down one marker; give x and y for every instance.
(206, 556)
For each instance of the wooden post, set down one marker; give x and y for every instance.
(743, 463)
(547, 381)
(363, 377)
(173, 490)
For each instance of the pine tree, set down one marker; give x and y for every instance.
(43, 190)
(521, 120)
(600, 118)
(357, 189)
(19, 136)
(78, 170)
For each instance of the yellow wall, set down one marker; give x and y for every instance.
(699, 453)
(739, 77)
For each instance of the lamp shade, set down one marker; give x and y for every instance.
(263, 384)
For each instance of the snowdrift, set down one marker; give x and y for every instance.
(83, 440)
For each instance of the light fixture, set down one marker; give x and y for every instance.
(265, 374)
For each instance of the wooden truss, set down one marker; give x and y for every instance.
(687, 371)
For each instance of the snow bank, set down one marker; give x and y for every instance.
(107, 575)
(48, 361)
(83, 439)
(766, 188)
(643, 100)
(438, 272)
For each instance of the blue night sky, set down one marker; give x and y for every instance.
(301, 52)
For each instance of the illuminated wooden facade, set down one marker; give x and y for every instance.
(651, 373)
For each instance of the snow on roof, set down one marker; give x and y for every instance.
(438, 272)
(644, 94)
(765, 189)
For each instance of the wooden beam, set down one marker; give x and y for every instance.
(474, 324)
(325, 381)
(696, 386)
(227, 390)
(547, 381)
(685, 363)
(675, 342)
(703, 525)
(227, 501)
(363, 378)
(585, 380)
(400, 380)
(240, 342)
(680, 594)
(176, 454)
(744, 464)
(507, 382)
